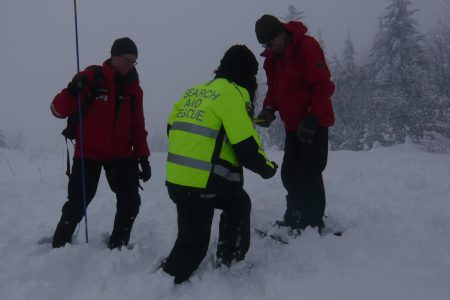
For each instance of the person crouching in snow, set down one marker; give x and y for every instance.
(211, 137)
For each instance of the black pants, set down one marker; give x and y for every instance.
(301, 174)
(195, 215)
(122, 176)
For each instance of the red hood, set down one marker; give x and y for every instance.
(296, 28)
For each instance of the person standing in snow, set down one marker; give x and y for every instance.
(211, 137)
(300, 89)
(114, 138)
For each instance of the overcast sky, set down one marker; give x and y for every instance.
(180, 43)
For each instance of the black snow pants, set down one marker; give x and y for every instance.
(122, 176)
(301, 174)
(195, 214)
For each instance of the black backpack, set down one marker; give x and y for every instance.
(70, 131)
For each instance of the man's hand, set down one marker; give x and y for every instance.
(307, 129)
(145, 172)
(265, 117)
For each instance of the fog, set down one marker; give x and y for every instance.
(180, 44)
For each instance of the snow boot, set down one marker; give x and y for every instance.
(63, 233)
(292, 219)
(121, 232)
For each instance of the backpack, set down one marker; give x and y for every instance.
(70, 131)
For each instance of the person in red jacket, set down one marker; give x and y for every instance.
(300, 89)
(114, 138)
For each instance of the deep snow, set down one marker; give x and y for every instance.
(393, 202)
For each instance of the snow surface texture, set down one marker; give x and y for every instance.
(393, 202)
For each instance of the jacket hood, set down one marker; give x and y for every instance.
(298, 31)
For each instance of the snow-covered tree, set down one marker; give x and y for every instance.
(399, 79)
(438, 58)
(293, 14)
(438, 54)
(2, 140)
(348, 100)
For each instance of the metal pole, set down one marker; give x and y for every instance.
(80, 114)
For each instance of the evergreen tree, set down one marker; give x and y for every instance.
(399, 95)
(438, 58)
(348, 59)
(348, 100)
(438, 54)
(2, 140)
(293, 14)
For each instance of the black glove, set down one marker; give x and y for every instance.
(271, 171)
(145, 172)
(265, 117)
(78, 83)
(307, 129)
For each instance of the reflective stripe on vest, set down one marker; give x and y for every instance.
(196, 129)
(189, 162)
(226, 173)
(203, 165)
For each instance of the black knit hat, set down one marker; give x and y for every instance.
(239, 61)
(123, 46)
(267, 28)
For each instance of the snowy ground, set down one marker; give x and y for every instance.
(394, 203)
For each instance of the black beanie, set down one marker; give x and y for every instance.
(267, 28)
(123, 46)
(239, 61)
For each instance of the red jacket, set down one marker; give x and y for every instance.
(102, 139)
(298, 80)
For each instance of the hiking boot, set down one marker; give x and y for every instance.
(292, 219)
(63, 233)
(121, 232)
(116, 243)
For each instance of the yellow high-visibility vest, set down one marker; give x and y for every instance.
(205, 122)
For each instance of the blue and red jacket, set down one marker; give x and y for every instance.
(298, 80)
(108, 134)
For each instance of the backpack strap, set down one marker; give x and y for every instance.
(72, 120)
(120, 88)
(69, 132)
(95, 88)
